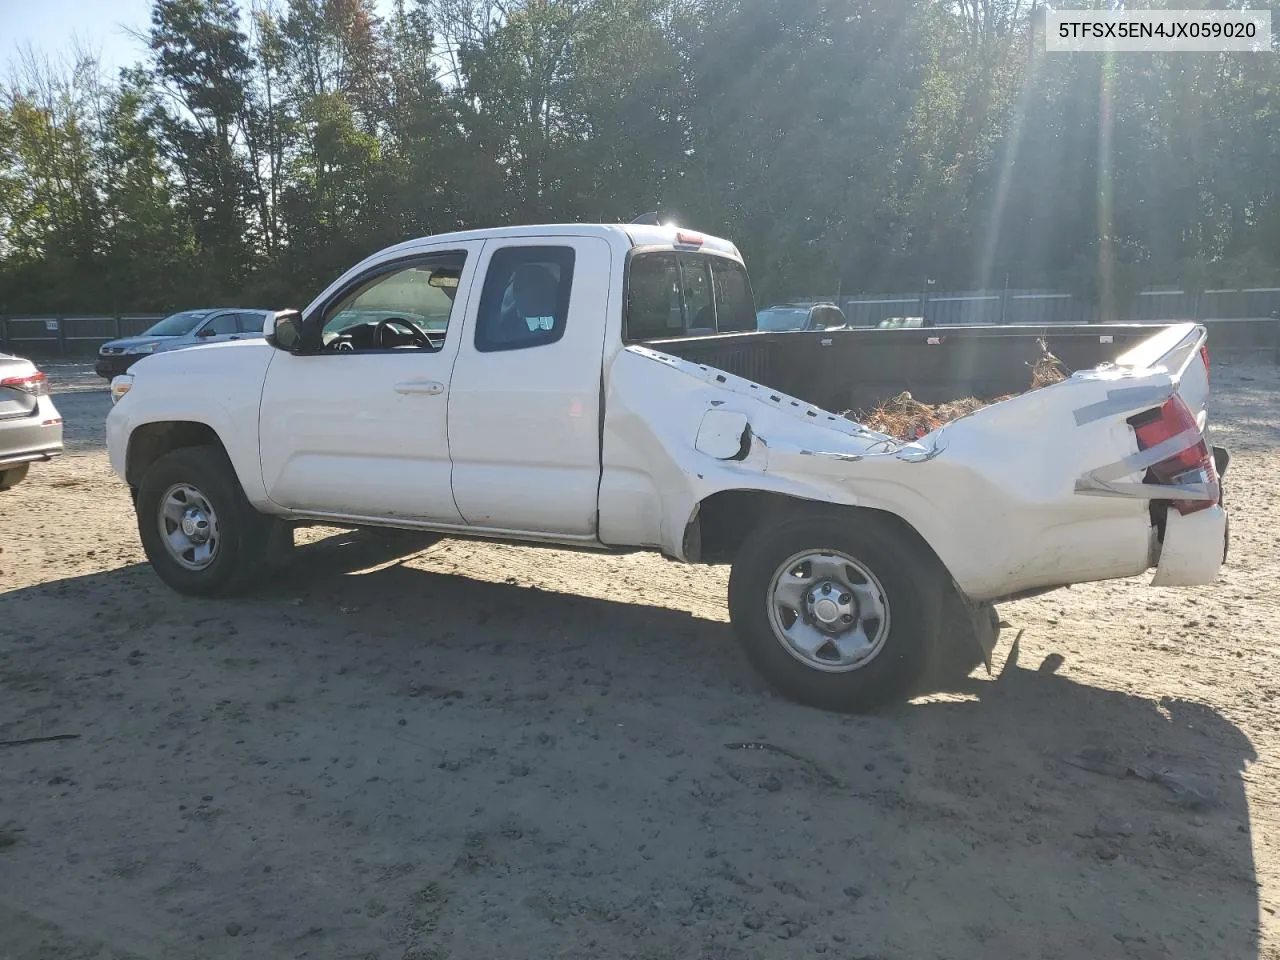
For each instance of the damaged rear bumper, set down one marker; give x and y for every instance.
(1195, 547)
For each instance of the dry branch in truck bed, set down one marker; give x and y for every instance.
(907, 418)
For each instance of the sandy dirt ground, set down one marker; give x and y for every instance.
(406, 749)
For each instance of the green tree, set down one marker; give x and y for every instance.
(842, 144)
(202, 69)
(150, 258)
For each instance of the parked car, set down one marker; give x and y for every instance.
(188, 328)
(801, 316)
(30, 425)
(859, 562)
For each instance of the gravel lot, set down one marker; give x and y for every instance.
(408, 749)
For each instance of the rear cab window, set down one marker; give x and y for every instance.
(675, 294)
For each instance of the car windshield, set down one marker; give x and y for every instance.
(177, 324)
(782, 318)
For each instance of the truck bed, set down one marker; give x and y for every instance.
(855, 369)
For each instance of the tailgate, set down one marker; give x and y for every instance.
(1183, 351)
(1105, 474)
(1169, 420)
(1176, 466)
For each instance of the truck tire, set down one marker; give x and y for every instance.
(835, 613)
(199, 531)
(13, 476)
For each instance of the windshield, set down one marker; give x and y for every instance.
(177, 324)
(777, 319)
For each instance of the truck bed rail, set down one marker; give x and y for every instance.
(855, 369)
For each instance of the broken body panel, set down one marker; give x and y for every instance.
(1039, 491)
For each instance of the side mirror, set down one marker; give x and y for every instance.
(206, 332)
(286, 331)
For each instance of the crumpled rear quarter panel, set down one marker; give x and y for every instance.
(992, 494)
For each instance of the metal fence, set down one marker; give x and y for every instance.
(81, 336)
(69, 336)
(962, 308)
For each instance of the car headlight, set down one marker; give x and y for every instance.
(144, 348)
(120, 386)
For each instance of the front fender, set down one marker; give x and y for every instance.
(219, 387)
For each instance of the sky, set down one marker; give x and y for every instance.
(52, 27)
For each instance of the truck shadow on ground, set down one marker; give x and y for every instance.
(405, 763)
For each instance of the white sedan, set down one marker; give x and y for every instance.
(30, 425)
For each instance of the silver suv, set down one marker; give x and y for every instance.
(190, 328)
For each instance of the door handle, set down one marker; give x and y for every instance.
(429, 387)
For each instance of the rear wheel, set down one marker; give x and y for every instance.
(199, 531)
(837, 613)
(13, 476)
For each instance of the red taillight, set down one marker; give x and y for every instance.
(686, 239)
(37, 384)
(1193, 464)
(1204, 355)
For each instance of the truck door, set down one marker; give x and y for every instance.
(524, 406)
(356, 425)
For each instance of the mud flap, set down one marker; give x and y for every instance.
(986, 629)
(1222, 460)
(979, 629)
(279, 546)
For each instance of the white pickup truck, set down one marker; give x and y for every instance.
(487, 384)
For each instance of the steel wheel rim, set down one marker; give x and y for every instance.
(828, 611)
(188, 527)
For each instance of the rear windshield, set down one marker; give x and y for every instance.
(674, 294)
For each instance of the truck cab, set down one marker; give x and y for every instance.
(476, 360)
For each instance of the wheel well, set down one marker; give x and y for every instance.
(151, 441)
(725, 519)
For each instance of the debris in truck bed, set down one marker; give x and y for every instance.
(1048, 369)
(907, 418)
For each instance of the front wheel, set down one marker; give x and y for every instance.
(199, 531)
(837, 613)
